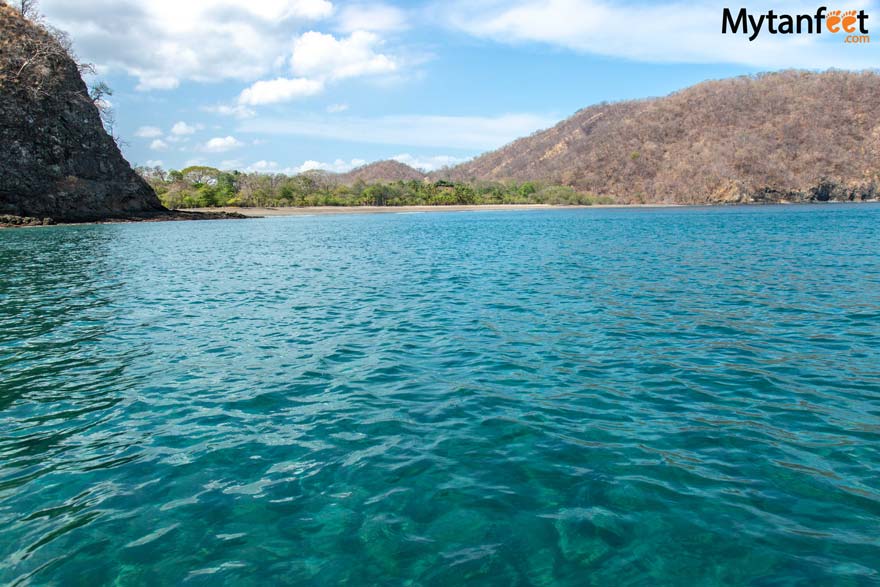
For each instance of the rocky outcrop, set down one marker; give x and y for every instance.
(826, 190)
(56, 159)
(12, 220)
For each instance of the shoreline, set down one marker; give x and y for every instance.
(279, 211)
(234, 212)
(334, 210)
(14, 221)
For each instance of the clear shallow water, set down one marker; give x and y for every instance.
(609, 397)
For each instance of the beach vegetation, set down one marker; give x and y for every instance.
(208, 187)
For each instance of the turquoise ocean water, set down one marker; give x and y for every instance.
(573, 397)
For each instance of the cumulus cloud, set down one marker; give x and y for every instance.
(165, 42)
(154, 163)
(317, 58)
(148, 132)
(370, 17)
(461, 132)
(335, 108)
(279, 90)
(158, 145)
(181, 128)
(665, 32)
(221, 144)
(323, 56)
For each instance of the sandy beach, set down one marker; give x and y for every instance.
(327, 210)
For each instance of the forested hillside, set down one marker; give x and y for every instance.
(788, 136)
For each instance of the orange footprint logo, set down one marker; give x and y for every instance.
(834, 21)
(849, 21)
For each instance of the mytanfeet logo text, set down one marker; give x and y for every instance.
(852, 23)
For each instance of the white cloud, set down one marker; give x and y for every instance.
(237, 110)
(279, 90)
(265, 166)
(158, 145)
(282, 9)
(323, 56)
(150, 81)
(222, 144)
(668, 32)
(370, 17)
(148, 132)
(460, 132)
(181, 128)
(155, 163)
(166, 42)
(316, 59)
(431, 163)
(338, 166)
(336, 108)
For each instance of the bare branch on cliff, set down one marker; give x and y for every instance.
(28, 8)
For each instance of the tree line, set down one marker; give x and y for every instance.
(207, 187)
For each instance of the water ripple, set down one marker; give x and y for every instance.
(672, 397)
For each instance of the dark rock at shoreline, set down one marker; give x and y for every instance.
(10, 220)
(824, 191)
(187, 215)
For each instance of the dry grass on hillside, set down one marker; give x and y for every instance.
(381, 171)
(788, 135)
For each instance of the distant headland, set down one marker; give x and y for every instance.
(785, 137)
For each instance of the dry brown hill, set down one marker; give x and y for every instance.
(381, 171)
(792, 135)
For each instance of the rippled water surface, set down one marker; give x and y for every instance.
(608, 397)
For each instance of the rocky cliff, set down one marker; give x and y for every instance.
(56, 159)
(787, 136)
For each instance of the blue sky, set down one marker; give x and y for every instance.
(289, 85)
